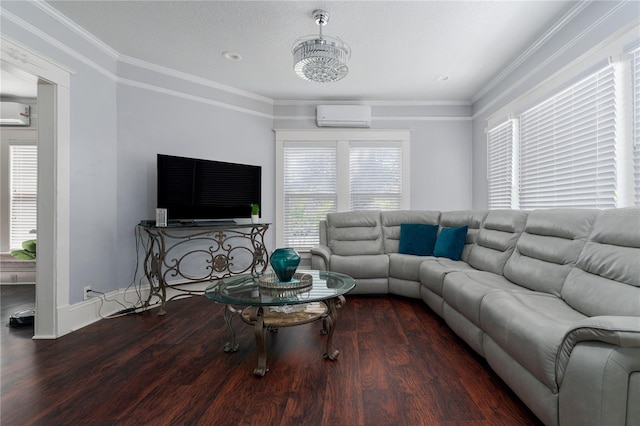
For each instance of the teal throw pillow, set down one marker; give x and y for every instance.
(417, 239)
(450, 242)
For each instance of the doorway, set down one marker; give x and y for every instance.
(53, 105)
(18, 192)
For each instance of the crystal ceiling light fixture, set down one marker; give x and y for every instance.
(320, 58)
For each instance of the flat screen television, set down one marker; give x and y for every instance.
(194, 189)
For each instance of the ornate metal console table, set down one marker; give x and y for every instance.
(179, 255)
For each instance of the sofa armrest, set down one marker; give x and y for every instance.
(320, 256)
(621, 331)
(600, 386)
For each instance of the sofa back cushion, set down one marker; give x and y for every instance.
(496, 240)
(354, 233)
(606, 277)
(472, 219)
(391, 221)
(548, 248)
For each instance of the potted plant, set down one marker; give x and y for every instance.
(255, 213)
(28, 251)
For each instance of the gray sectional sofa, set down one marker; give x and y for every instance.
(550, 298)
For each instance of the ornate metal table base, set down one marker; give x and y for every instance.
(272, 318)
(267, 307)
(229, 312)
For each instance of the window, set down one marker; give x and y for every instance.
(375, 176)
(636, 108)
(323, 171)
(23, 168)
(500, 170)
(568, 151)
(310, 191)
(567, 147)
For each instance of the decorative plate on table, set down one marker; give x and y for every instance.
(299, 280)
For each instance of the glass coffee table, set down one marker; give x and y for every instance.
(259, 300)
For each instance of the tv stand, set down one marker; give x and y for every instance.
(216, 222)
(202, 251)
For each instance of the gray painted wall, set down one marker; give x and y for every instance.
(150, 123)
(440, 147)
(93, 145)
(122, 115)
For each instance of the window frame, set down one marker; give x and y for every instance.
(342, 138)
(499, 137)
(580, 116)
(10, 136)
(28, 199)
(635, 77)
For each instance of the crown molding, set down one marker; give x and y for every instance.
(294, 102)
(52, 41)
(380, 118)
(194, 79)
(554, 56)
(422, 118)
(194, 98)
(537, 45)
(115, 78)
(55, 14)
(87, 36)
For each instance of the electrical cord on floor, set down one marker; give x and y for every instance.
(139, 244)
(139, 305)
(126, 311)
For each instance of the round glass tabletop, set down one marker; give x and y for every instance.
(246, 290)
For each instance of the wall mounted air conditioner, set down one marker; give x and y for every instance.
(343, 115)
(14, 114)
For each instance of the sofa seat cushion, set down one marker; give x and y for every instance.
(530, 327)
(464, 291)
(365, 266)
(433, 270)
(405, 266)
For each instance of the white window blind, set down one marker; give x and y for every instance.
(324, 171)
(23, 169)
(636, 111)
(310, 192)
(375, 176)
(567, 147)
(500, 166)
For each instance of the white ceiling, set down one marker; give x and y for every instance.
(399, 48)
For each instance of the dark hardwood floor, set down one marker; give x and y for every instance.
(399, 364)
(15, 298)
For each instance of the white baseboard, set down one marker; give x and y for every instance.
(82, 314)
(79, 315)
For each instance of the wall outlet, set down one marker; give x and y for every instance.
(86, 292)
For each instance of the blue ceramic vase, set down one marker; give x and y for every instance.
(284, 262)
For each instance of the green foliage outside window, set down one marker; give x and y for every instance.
(28, 251)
